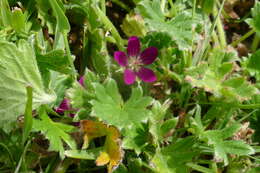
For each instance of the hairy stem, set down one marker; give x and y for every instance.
(255, 43)
(244, 37)
(220, 29)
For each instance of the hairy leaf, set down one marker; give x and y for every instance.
(215, 82)
(18, 69)
(179, 27)
(110, 107)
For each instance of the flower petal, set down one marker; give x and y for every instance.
(64, 106)
(129, 76)
(81, 80)
(133, 48)
(149, 55)
(146, 75)
(121, 58)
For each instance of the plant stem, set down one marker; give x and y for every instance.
(193, 30)
(103, 6)
(221, 32)
(244, 37)
(9, 153)
(122, 5)
(163, 3)
(200, 52)
(110, 27)
(67, 47)
(215, 38)
(28, 118)
(22, 157)
(255, 43)
(240, 106)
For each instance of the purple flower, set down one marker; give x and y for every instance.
(81, 81)
(134, 61)
(65, 104)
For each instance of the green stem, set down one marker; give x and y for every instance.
(240, 106)
(67, 47)
(244, 37)
(103, 6)
(122, 5)
(172, 9)
(193, 31)
(221, 32)
(9, 153)
(28, 118)
(215, 38)
(110, 27)
(163, 3)
(22, 157)
(255, 43)
(201, 50)
(247, 116)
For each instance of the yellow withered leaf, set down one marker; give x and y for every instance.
(113, 153)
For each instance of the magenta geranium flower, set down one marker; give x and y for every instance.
(65, 104)
(134, 61)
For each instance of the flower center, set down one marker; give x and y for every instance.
(135, 63)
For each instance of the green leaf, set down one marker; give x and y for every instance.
(28, 118)
(43, 7)
(108, 25)
(18, 69)
(18, 20)
(55, 132)
(255, 21)
(59, 83)
(179, 27)
(62, 21)
(90, 154)
(173, 158)
(158, 39)
(208, 5)
(110, 107)
(168, 125)
(200, 168)
(62, 26)
(89, 79)
(151, 10)
(99, 53)
(239, 88)
(233, 89)
(80, 96)
(254, 61)
(223, 147)
(237, 147)
(5, 13)
(54, 60)
(136, 138)
(159, 112)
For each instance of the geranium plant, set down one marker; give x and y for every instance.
(142, 86)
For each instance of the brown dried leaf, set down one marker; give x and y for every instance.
(113, 153)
